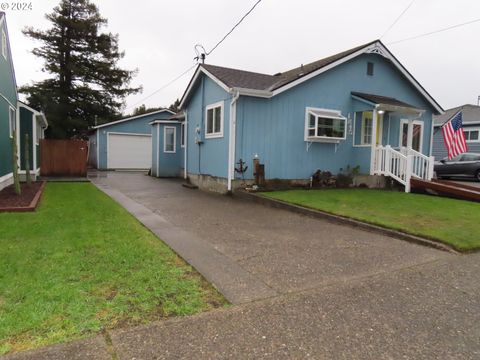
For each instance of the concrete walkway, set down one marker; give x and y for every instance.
(304, 288)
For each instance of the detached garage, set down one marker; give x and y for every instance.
(125, 144)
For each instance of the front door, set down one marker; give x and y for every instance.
(414, 137)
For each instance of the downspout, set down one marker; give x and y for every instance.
(232, 138)
(185, 134)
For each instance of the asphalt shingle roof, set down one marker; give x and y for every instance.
(377, 99)
(258, 81)
(470, 114)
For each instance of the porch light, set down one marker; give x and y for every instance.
(381, 111)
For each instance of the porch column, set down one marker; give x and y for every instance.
(410, 134)
(374, 141)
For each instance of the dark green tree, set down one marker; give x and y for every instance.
(175, 107)
(83, 63)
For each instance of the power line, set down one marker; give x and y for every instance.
(163, 87)
(434, 32)
(234, 27)
(398, 18)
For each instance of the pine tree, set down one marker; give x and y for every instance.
(86, 79)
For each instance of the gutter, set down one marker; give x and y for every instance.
(232, 138)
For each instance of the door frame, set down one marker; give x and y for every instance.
(410, 132)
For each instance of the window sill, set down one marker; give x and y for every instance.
(214, 136)
(324, 140)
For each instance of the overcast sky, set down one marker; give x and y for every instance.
(159, 36)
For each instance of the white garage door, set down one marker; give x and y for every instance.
(129, 151)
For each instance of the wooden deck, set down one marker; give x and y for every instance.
(447, 188)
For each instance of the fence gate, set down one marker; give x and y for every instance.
(63, 157)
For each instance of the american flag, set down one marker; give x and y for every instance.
(454, 136)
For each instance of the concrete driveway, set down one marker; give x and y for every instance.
(304, 288)
(281, 251)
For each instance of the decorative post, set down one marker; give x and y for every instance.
(431, 161)
(374, 141)
(27, 160)
(16, 180)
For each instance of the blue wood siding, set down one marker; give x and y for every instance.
(8, 97)
(166, 164)
(211, 156)
(135, 126)
(274, 128)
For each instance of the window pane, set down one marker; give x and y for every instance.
(169, 139)
(311, 121)
(331, 127)
(218, 117)
(404, 134)
(367, 130)
(417, 137)
(210, 121)
(473, 135)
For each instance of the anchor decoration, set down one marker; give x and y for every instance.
(241, 169)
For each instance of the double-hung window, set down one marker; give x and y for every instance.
(367, 126)
(169, 135)
(214, 120)
(11, 121)
(324, 125)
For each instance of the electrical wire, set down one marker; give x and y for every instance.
(161, 88)
(234, 27)
(435, 32)
(397, 19)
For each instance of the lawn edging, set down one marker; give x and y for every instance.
(343, 220)
(31, 207)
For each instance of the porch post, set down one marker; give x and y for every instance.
(374, 141)
(410, 134)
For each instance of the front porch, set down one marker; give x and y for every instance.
(394, 134)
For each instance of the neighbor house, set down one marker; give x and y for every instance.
(471, 127)
(357, 109)
(8, 105)
(126, 143)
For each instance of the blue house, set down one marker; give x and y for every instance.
(359, 108)
(8, 105)
(471, 128)
(125, 143)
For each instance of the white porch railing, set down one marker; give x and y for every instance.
(403, 165)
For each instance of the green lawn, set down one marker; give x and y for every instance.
(453, 222)
(81, 264)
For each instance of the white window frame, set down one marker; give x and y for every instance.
(182, 135)
(218, 134)
(414, 122)
(12, 121)
(174, 140)
(325, 114)
(362, 130)
(4, 45)
(470, 129)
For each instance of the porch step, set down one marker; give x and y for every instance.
(448, 188)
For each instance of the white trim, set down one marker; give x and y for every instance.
(376, 47)
(182, 134)
(362, 130)
(174, 139)
(132, 118)
(334, 114)
(232, 141)
(186, 145)
(430, 151)
(218, 134)
(10, 128)
(158, 150)
(4, 45)
(373, 146)
(127, 133)
(410, 133)
(98, 149)
(34, 135)
(465, 129)
(6, 177)
(164, 122)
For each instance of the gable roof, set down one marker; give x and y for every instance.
(470, 115)
(133, 118)
(265, 85)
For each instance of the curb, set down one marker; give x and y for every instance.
(31, 207)
(344, 221)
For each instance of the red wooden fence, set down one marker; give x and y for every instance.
(63, 157)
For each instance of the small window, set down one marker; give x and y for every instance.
(324, 124)
(214, 121)
(169, 139)
(182, 134)
(472, 135)
(367, 126)
(11, 121)
(4, 44)
(370, 69)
